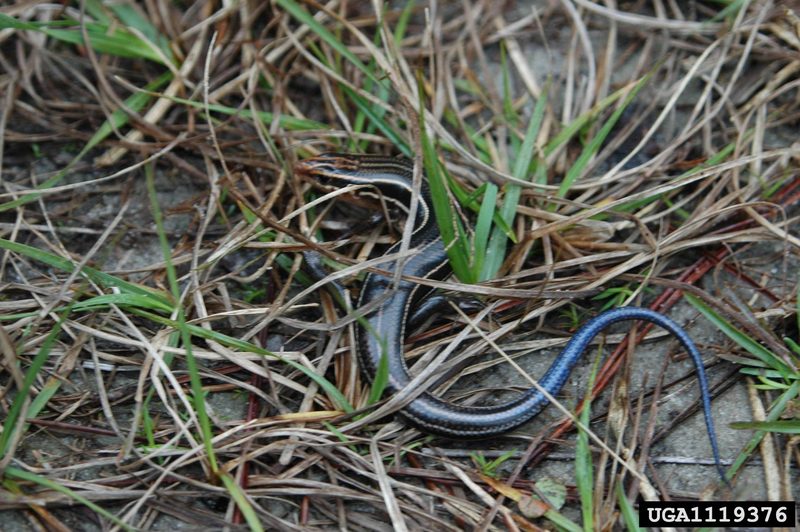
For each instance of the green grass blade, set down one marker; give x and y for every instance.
(508, 99)
(103, 38)
(198, 397)
(402, 22)
(98, 11)
(333, 393)
(450, 228)
(21, 474)
(717, 158)
(122, 300)
(103, 279)
(338, 399)
(119, 42)
(483, 227)
(584, 466)
(51, 386)
(238, 496)
(303, 16)
(775, 413)
(287, 122)
(8, 22)
(117, 119)
(360, 122)
(496, 250)
(561, 521)
(380, 381)
(376, 118)
(729, 12)
(471, 202)
(135, 102)
(594, 145)
(744, 341)
(577, 125)
(527, 151)
(12, 415)
(758, 370)
(132, 18)
(449, 224)
(794, 346)
(784, 426)
(475, 136)
(629, 516)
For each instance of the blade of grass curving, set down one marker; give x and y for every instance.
(118, 42)
(21, 474)
(729, 11)
(450, 228)
(286, 121)
(561, 521)
(241, 501)
(333, 393)
(122, 300)
(303, 16)
(97, 11)
(380, 381)
(711, 161)
(51, 386)
(376, 118)
(148, 425)
(775, 413)
(472, 198)
(584, 477)
(198, 399)
(360, 123)
(117, 119)
(103, 38)
(629, 515)
(474, 135)
(783, 426)
(483, 227)
(18, 316)
(769, 384)
(132, 18)
(470, 201)
(794, 346)
(509, 113)
(527, 152)
(496, 249)
(577, 125)
(758, 371)
(12, 421)
(744, 341)
(591, 149)
(402, 22)
(105, 280)
(681, 214)
(342, 437)
(471, 87)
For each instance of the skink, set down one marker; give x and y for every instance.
(382, 331)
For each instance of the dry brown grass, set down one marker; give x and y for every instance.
(695, 192)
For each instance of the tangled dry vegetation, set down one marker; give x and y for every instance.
(165, 357)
